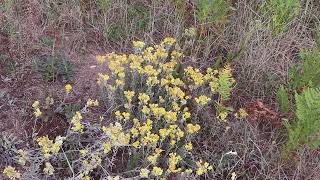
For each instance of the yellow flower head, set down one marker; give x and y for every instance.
(145, 110)
(186, 115)
(101, 59)
(169, 40)
(23, 157)
(136, 144)
(107, 147)
(68, 88)
(102, 78)
(138, 44)
(188, 146)
(144, 173)
(195, 75)
(37, 112)
(143, 97)
(123, 139)
(126, 116)
(76, 122)
(193, 128)
(243, 113)
(203, 167)
(173, 161)
(129, 95)
(49, 170)
(91, 102)
(202, 100)
(233, 176)
(223, 115)
(35, 104)
(157, 171)
(83, 152)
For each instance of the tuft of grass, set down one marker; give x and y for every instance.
(212, 11)
(53, 68)
(283, 99)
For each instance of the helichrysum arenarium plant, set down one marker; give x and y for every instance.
(151, 120)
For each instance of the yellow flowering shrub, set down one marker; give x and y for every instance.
(152, 117)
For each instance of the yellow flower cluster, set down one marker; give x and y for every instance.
(154, 106)
(154, 157)
(48, 169)
(157, 171)
(195, 75)
(116, 136)
(37, 111)
(202, 100)
(76, 122)
(102, 79)
(152, 114)
(143, 97)
(243, 113)
(101, 59)
(91, 103)
(188, 146)
(203, 167)
(144, 173)
(169, 40)
(193, 128)
(49, 147)
(92, 163)
(173, 161)
(11, 172)
(23, 157)
(138, 43)
(68, 88)
(129, 95)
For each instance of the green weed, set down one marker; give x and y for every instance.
(280, 13)
(54, 68)
(7, 65)
(212, 11)
(283, 99)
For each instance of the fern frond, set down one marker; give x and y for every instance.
(308, 73)
(306, 130)
(283, 99)
(226, 83)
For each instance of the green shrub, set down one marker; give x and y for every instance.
(304, 81)
(306, 129)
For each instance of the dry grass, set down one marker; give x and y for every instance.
(264, 60)
(83, 29)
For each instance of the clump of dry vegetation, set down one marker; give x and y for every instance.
(169, 89)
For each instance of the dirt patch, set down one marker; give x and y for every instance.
(23, 86)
